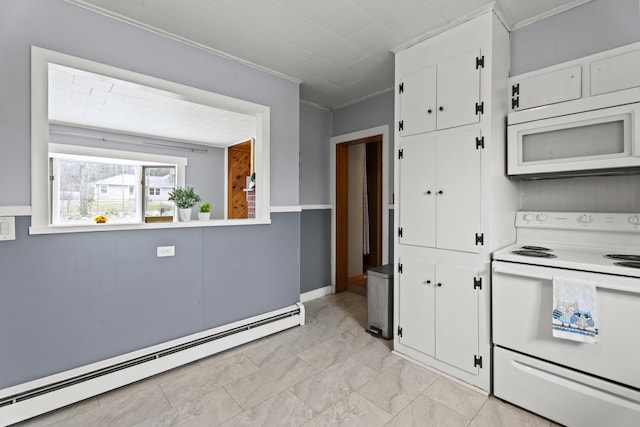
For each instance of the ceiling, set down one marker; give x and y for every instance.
(88, 100)
(339, 50)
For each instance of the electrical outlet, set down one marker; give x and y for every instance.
(163, 251)
(7, 228)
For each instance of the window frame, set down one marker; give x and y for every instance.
(40, 203)
(79, 152)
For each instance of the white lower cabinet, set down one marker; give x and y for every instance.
(439, 312)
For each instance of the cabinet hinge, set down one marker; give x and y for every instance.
(477, 361)
(477, 283)
(400, 125)
(515, 89)
(479, 142)
(400, 268)
(400, 88)
(479, 62)
(399, 331)
(51, 178)
(515, 102)
(479, 108)
(399, 231)
(479, 239)
(400, 154)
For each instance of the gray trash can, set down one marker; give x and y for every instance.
(380, 301)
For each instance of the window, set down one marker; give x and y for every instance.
(213, 107)
(88, 182)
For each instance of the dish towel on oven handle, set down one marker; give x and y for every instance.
(575, 311)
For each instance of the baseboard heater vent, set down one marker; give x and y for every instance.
(27, 400)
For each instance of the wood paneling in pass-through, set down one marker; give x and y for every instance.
(239, 167)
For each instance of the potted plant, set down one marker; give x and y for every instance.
(184, 198)
(205, 211)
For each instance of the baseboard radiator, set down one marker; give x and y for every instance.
(46, 394)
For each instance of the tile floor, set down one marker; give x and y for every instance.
(326, 373)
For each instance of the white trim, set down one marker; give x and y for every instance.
(28, 408)
(144, 226)
(15, 210)
(379, 130)
(316, 293)
(280, 209)
(315, 207)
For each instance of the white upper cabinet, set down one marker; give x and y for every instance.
(616, 73)
(440, 199)
(441, 96)
(547, 88)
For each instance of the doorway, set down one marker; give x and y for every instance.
(358, 210)
(240, 166)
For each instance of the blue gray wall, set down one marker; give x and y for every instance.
(315, 221)
(71, 299)
(590, 28)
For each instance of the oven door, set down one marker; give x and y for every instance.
(522, 304)
(600, 140)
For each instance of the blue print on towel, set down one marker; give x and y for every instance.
(568, 317)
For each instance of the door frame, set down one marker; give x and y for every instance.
(386, 205)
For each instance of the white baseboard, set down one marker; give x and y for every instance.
(316, 293)
(25, 401)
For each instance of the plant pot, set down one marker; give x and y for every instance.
(204, 216)
(184, 214)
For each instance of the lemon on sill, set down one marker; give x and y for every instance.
(100, 219)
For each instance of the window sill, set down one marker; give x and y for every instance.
(145, 226)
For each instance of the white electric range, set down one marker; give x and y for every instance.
(573, 383)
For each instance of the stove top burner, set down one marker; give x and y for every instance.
(632, 264)
(623, 257)
(534, 253)
(536, 248)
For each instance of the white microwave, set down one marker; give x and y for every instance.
(557, 141)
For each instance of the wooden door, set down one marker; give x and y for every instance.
(240, 166)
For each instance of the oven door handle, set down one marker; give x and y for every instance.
(603, 281)
(524, 271)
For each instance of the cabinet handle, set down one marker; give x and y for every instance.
(429, 111)
(441, 108)
(440, 192)
(427, 193)
(427, 282)
(439, 284)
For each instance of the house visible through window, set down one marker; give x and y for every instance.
(84, 187)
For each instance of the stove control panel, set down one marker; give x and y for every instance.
(624, 222)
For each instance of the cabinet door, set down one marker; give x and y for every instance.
(458, 91)
(418, 102)
(458, 191)
(416, 197)
(416, 307)
(548, 88)
(456, 317)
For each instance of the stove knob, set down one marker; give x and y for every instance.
(585, 219)
(634, 220)
(541, 217)
(527, 217)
